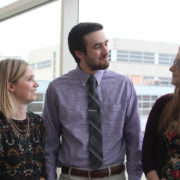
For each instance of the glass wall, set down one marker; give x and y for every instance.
(143, 42)
(35, 37)
(144, 39)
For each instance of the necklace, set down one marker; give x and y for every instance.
(22, 134)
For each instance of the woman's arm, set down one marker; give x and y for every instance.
(42, 178)
(149, 147)
(153, 150)
(152, 175)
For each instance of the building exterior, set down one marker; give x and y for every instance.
(45, 62)
(145, 63)
(5, 57)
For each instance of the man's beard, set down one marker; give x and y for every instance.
(95, 67)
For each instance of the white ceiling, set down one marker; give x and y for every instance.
(4, 3)
(16, 7)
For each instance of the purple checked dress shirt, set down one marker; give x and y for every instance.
(65, 118)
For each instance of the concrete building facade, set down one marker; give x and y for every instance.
(145, 63)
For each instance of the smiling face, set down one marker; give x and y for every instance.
(97, 52)
(175, 69)
(24, 91)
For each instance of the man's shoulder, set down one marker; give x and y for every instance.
(65, 78)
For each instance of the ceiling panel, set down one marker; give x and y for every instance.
(20, 6)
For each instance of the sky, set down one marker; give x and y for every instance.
(6, 2)
(153, 20)
(32, 30)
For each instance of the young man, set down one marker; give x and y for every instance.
(97, 125)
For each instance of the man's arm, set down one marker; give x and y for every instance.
(133, 138)
(52, 140)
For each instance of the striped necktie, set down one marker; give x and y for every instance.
(94, 119)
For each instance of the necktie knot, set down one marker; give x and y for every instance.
(92, 81)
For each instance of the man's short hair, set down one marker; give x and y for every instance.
(76, 37)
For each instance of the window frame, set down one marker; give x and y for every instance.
(19, 7)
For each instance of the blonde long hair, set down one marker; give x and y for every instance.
(11, 70)
(171, 111)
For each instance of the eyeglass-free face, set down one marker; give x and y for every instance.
(24, 91)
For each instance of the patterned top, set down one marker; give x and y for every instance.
(22, 157)
(171, 169)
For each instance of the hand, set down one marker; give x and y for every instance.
(42, 178)
(152, 175)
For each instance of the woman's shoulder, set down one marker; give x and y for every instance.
(1, 115)
(164, 99)
(160, 103)
(2, 119)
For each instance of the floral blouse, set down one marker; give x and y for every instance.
(22, 157)
(171, 169)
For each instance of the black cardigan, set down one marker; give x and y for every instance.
(154, 150)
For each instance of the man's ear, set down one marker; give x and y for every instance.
(11, 87)
(79, 54)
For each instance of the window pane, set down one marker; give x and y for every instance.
(142, 42)
(35, 37)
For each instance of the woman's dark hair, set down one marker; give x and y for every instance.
(76, 37)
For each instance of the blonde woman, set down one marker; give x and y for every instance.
(21, 133)
(161, 146)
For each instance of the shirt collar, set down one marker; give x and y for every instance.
(83, 76)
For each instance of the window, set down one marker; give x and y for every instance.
(132, 56)
(141, 47)
(166, 58)
(148, 80)
(42, 64)
(145, 103)
(35, 37)
(148, 57)
(165, 81)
